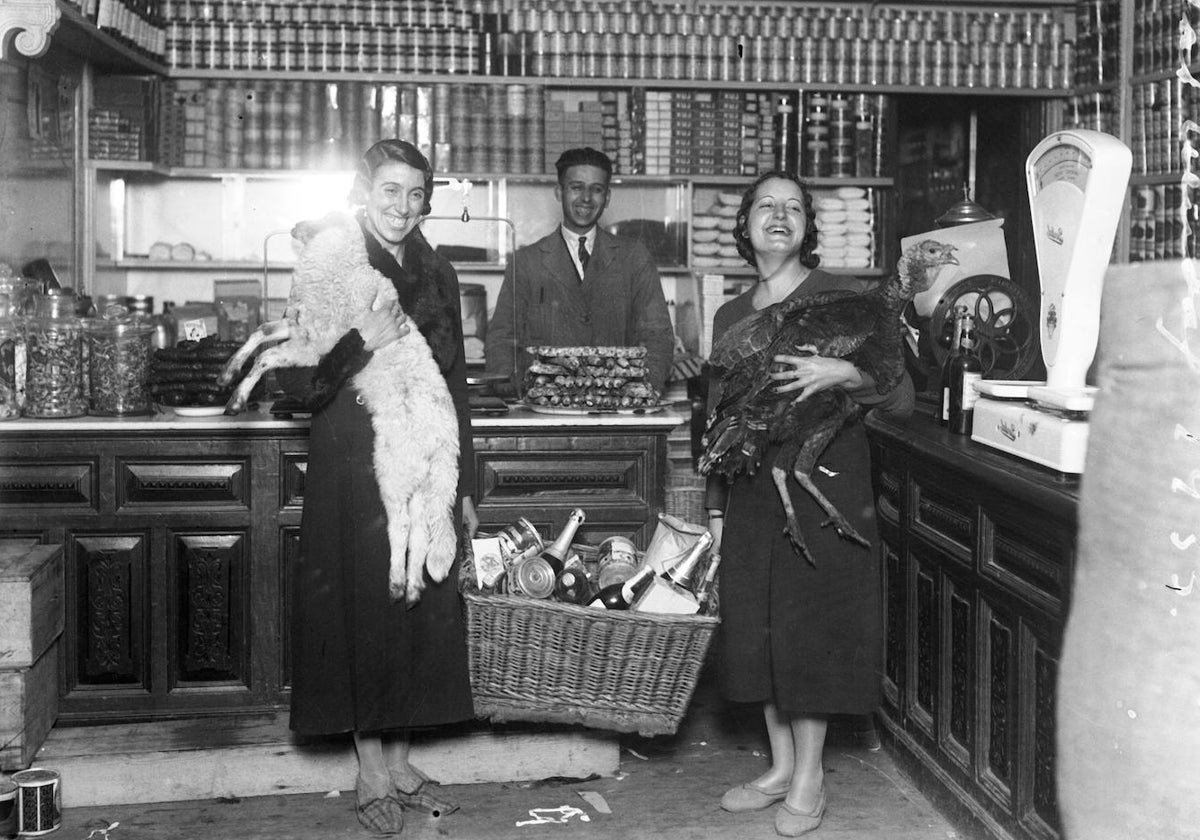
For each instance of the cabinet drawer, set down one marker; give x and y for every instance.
(1027, 558)
(945, 516)
(70, 483)
(213, 481)
(535, 477)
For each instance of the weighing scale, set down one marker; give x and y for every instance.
(1077, 181)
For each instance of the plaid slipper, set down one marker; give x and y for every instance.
(383, 815)
(425, 798)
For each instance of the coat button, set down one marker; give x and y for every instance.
(360, 400)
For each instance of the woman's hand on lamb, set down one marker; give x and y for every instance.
(380, 327)
(811, 374)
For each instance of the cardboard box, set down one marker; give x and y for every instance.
(31, 601)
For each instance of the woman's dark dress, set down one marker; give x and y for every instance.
(359, 661)
(808, 640)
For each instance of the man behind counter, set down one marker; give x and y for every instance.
(580, 284)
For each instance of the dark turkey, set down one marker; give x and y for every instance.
(863, 328)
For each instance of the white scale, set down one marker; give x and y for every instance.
(1077, 181)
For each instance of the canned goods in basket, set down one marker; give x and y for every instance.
(518, 538)
(616, 561)
(531, 576)
(39, 801)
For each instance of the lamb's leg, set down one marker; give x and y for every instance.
(292, 353)
(792, 529)
(266, 333)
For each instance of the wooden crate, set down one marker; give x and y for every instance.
(31, 601)
(28, 709)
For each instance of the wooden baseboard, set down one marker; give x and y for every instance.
(181, 760)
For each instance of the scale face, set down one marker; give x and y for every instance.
(1077, 180)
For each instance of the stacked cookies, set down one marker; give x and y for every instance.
(712, 233)
(589, 378)
(845, 228)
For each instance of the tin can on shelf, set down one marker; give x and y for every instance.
(39, 801)
(616, 561)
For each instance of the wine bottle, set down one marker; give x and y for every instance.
(966, 372)
(960, 313)
(683, 573)
(619, 596)
(572, 585)
(556, 553)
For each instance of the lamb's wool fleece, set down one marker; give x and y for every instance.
(416, 427)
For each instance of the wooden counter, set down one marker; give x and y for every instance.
(178, 534)
(979, 552)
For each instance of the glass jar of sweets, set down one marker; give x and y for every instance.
(118, 354)
(54, 383)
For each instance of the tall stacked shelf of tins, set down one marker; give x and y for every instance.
(690, 99)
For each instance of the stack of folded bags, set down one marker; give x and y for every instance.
(712, 233)
(845, 228)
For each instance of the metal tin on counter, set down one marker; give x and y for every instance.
(39, 801)
(8, 807)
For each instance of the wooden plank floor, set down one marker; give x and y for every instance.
(667, 788)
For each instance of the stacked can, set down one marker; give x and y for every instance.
(293, 125)
(535, 137)
(273, 125)
(516, 118)
(497, 129)
(460, 128)
(478, 144)
(442, 144)
(841, 137)
(816, 152)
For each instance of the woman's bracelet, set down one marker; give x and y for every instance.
(716, 514)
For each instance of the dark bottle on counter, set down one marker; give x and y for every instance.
(960, 312)
(967, 370)
(619, 596)
(556, 553)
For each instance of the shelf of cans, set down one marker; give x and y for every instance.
(1156, 226)
(1098, 41)
(272, 124)
(136, 23)
(846, 44)
(1157, 110)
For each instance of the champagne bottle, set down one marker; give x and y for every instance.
(683, 573)
(556, 553)
(960, 313)
(619, 596)
(966, 372)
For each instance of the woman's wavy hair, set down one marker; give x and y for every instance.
(386, 151)
(808, 245)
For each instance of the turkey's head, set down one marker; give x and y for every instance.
(918, 265)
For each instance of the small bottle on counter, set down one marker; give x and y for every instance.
(966, 372)
(960, 312)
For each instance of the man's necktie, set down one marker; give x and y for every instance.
(583, 256)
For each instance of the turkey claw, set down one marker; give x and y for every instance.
(845, 531)
(792, 529)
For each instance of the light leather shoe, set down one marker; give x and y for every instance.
(750, 797)
(792, 823)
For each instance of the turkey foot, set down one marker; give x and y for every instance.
(792, 529)
(839, 522)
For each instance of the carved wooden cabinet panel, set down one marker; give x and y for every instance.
(179, 544)
(617, 476)
(977, 561)
(172, 546)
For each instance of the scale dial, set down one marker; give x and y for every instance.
(1069, 164)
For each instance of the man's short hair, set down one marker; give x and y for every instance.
(586, 156)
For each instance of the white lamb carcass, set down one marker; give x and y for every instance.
(416, 427)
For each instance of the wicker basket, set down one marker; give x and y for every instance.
(547, 661)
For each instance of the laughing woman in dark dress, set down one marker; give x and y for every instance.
(362, 663)
(804, 641)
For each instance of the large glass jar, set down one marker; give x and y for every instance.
(10, 340)
(118, 354)
(54, 384)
